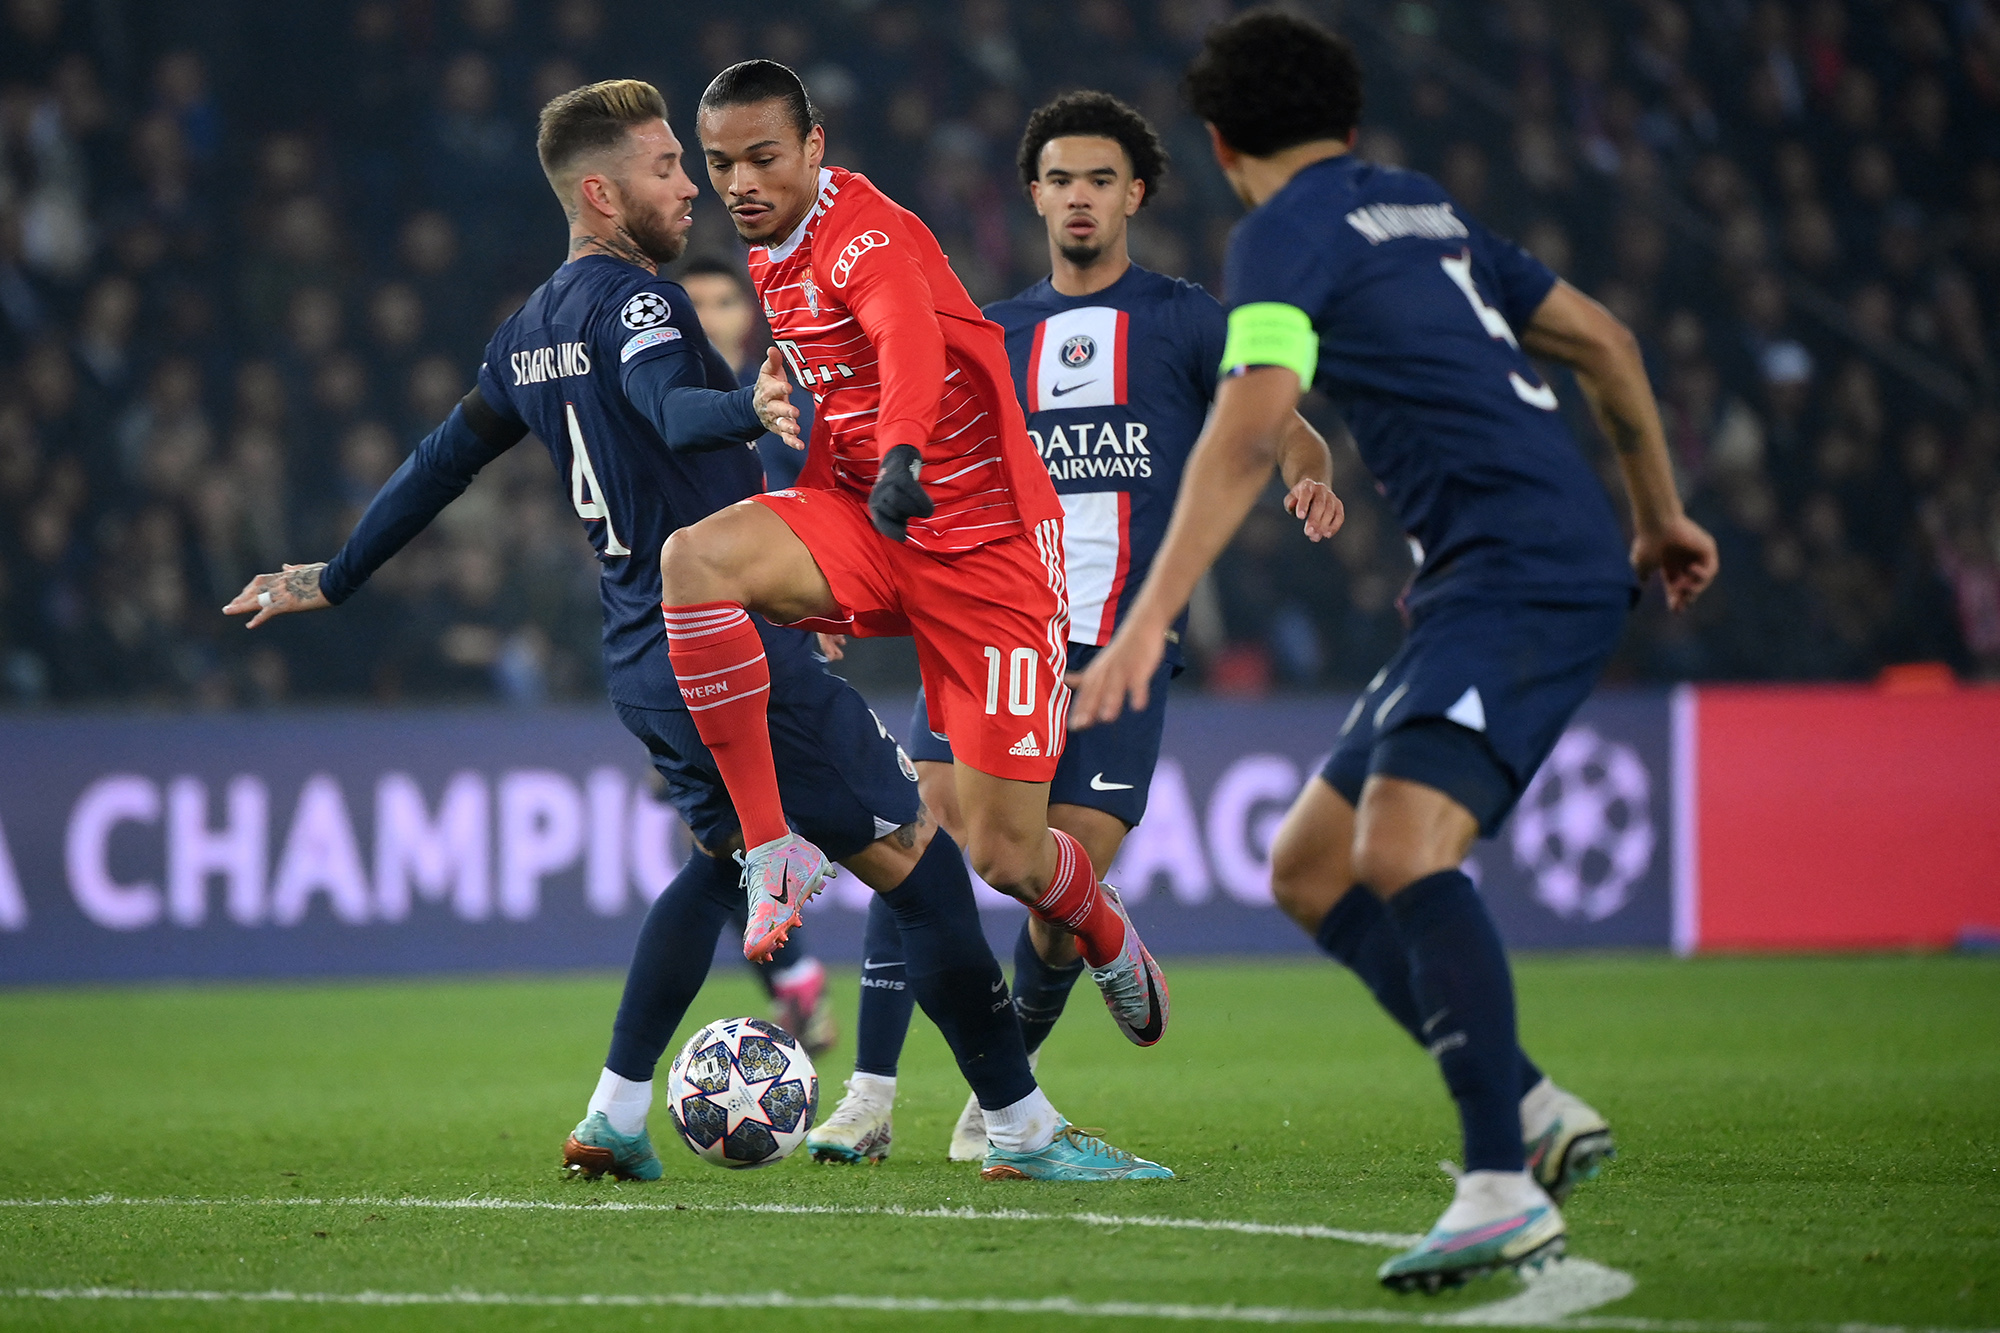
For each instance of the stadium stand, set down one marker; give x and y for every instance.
(249, 254)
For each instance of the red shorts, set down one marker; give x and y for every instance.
(991, 625)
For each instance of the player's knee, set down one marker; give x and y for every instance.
(1005, 863)
(1387, 865)
(1292, 876)
(694, 566)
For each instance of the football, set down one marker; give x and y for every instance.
(743, 1093)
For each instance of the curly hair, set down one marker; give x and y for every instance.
(1099, 116)
(1268, 81)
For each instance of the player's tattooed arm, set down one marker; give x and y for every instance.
(1306, 464)
(293, 588)
(1570, 327)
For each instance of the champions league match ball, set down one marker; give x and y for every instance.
(742, 1093)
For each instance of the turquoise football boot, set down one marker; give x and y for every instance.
(594, 1148)
(1073, 1154)
(1526, 1236)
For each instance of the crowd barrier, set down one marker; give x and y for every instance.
(370, 842)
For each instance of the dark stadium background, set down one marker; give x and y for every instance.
(249, 254)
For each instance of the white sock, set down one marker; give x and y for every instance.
(806, 970)
(1538, 1108)
(1024, 1126)
(1487, 1196)
(875, 1087)
(624, 1101)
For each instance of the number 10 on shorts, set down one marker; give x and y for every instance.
(1021, 668)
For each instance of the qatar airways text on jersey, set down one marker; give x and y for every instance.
(1116, 385)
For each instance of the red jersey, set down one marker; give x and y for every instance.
(865, 307)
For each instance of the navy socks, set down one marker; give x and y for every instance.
(670, 961)
(1465, 994)
(1358, 933)
(953, 974)
(1040, 991)
(886, 998)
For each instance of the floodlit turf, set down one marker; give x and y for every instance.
(1802, 1140)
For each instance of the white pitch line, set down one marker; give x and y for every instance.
(1385, 1239)
(1571, 1287)
(1491, 1316)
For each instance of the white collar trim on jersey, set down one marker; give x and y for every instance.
(783, 249)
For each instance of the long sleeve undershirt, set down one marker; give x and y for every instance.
(437, 472)
(672, 392)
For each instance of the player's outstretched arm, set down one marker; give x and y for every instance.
(1306, 464)
(437, 472)
(1570, 327)
(1228, 468)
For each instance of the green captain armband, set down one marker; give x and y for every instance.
(1271, 333)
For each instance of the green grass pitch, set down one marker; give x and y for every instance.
(1803, 1141)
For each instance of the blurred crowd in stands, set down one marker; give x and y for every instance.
(249, 255)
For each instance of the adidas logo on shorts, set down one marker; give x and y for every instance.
(1026, 746)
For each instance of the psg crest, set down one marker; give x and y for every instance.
(1078, 351)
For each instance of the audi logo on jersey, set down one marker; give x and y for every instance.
(859, 246)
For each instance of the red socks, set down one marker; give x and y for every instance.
(719, 661)
(1074, 902)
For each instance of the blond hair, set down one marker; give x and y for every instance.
(588, 120)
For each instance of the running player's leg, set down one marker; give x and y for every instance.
(670, 959)
(882, 1023)
(1097, 796)
(669, 963)
(1046, 967)
(741, 559)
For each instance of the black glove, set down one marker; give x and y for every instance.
(897, 498)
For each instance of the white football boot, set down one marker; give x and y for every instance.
(860, 1127)
(1568, 1142)
(968, 1136)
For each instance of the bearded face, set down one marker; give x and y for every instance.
(655, 233)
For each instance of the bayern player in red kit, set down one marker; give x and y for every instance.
(924, 509)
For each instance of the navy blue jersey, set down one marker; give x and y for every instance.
(1417, 310)
(559, 365)
(1116, 386)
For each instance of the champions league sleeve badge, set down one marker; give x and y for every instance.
(646, 310)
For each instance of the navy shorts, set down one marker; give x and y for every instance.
(842, 778)
(1475, 699)
(1107, 767)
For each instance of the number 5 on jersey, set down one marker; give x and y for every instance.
(584, 492)
(1458, 268)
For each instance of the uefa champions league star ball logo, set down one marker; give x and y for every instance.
(645, 311)
(1584, 828)
(1078, 351)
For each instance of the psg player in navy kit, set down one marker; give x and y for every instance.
(607, 364)
(1370, 283)
(1115, 366)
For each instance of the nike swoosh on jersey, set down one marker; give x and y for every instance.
(1058, 390)
(1097, 783)
(870, 967)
